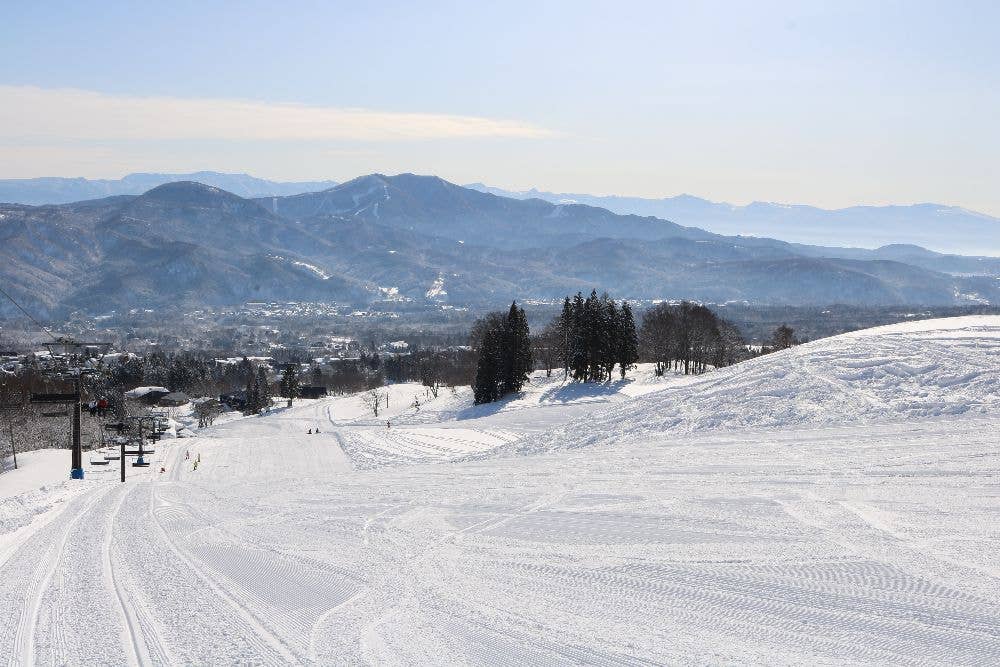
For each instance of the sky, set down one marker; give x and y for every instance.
(824, 103)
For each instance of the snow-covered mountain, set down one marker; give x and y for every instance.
(431, 205)
(947, 229)
(37, 191)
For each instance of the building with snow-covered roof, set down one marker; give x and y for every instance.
(174, 399)
(147, 395)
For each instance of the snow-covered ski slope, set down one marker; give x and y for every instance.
(843, 509)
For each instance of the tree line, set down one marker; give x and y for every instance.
(589, 338)
(593, 336)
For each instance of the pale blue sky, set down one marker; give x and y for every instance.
(828, 103)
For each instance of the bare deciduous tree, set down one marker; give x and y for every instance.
(373, 400)
(206, 411)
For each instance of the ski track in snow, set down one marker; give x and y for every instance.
(835, 503)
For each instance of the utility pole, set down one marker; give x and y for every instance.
(76, 468)
(13, 449)
(10, 428)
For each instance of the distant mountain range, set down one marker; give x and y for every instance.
(947, 229)
(936, 226)
(37, 191)
(427, 240)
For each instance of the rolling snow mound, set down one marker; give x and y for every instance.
(931, 368)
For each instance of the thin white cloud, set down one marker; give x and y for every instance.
(30, 113)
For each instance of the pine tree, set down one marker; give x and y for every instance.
(526, 360)
(290, 383)
(507, 352)
(252, 404)
(564, 331)
(628, 341)
(578, 339)
(180, 375)
(486, 387)
(519, 340)
(245, 370)
(592, 337)
(263, 389)
(609, 335)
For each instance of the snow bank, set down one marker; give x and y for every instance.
(930, 368)
(39, 484)
(35, 470)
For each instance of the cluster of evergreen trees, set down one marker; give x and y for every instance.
(505, 358)
(258, 393)
(590, 337)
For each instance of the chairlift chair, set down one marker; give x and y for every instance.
(96, 460)
(141, 461)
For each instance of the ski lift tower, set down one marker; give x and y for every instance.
(72, 365)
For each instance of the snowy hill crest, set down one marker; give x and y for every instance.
(939, 368)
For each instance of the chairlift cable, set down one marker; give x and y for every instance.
(27, 314)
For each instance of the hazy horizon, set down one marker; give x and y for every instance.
(830, 106)
(512, 189)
